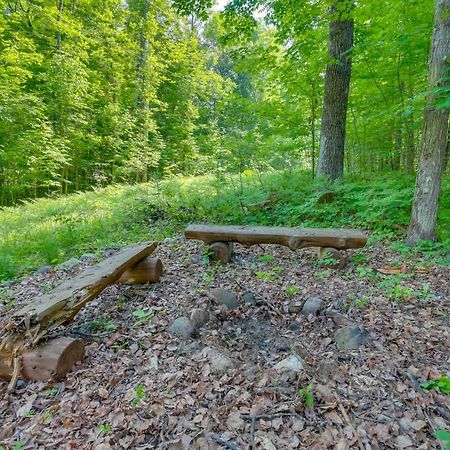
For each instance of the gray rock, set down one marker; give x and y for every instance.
(69, 264)
(225, 297)
(199, 317)
(249, 298)
(350, 337)
(218, 361)
(295, 306)
(292, 363)
(44, 269)
(312, 306)
(87, 257)
(182, 327)
(293, 326)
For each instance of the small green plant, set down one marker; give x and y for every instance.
(360, 303)
(266, 258)
(307, 394)
(366, 272)
(142, 316)
(139, 395)
(442, 383)
(47, 417)
(443, 436)
(321, 274)
(292, 290)
(359, 257)
(105, 428)
(269, 276)
(103, 325)
(30, 413)
(121, 345)
(51, 391)
(208, 278)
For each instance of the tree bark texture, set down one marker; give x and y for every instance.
(435, 133)
(336, 90)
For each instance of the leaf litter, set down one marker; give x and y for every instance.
(141, 387)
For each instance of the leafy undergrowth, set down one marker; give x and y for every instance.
(140, 387)
(49, 231)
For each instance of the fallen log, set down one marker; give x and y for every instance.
(27, 326)
(48, 362)
(294, 238)
(149, 270)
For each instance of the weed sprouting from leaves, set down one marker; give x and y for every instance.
(105, 428)
(442, 383)
(139, 397)
(306, 393)
(292, 290)
(142, 316)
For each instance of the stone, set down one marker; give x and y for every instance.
(182, 327)
(295, 306)
(44, 269)
(292, 363)
(312, 306)
(168, 240)
(87, 257)
(350, 337)
(225, 297)
(199, 317)
(218, 361)
(69, 264)
(293, 326)
(249, 298)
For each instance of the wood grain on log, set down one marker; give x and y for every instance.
(45, 313)
(149, 270)
(49, 361)
(221, 251)
(294, 238)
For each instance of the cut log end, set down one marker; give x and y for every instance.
(149, 270)
(220, 251)
(330, 252)
(50, 361)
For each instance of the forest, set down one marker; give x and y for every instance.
(167, 168)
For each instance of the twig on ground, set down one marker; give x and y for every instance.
(250, 418)
(228, 444)
(349, 423)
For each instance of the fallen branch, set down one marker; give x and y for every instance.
(227, 444)
(349, 423)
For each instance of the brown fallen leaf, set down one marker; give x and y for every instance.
(389, 270)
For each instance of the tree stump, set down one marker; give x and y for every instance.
(221, 251)
(149, 270)
(49, 361)
(331, 252)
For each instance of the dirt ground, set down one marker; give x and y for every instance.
(140, 387)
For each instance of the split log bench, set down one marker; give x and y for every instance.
(20, 354)
(220, 239)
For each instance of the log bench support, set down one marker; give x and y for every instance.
(49, 361)
(329, 240)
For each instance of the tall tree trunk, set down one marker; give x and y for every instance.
(435, 133)
(336, 89)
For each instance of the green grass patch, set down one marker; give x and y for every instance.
(50, 231)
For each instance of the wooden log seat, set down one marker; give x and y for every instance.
(331, 239)
(21, 332)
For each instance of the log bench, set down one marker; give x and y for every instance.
(21, 356)
(220, 239)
